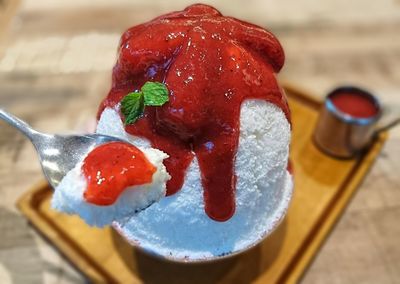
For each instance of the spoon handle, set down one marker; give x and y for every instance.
(18, 123)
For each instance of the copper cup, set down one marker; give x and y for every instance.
(341, 134)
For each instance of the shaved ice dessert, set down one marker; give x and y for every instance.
(196, 93)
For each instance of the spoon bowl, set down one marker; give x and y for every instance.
(58, 154)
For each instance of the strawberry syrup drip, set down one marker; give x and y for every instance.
(112, 167)
(210, 64)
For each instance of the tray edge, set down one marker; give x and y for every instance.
(41, 224)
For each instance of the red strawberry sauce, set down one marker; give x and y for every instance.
(112, 167)
(355, 104)
(210, 64)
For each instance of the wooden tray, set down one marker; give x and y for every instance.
(323, 187)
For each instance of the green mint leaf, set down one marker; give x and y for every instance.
(155, 93)
(132, 107)
(152, 94)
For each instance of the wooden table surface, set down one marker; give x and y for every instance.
(55, 62)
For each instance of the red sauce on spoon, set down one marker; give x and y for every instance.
(210, 64)
(112, 167)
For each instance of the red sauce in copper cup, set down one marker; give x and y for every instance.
(347, 122)
(355, 104)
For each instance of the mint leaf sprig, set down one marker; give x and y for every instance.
(150, 94)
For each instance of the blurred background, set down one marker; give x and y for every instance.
(55, 67)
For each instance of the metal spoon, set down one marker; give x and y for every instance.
(58, 154)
